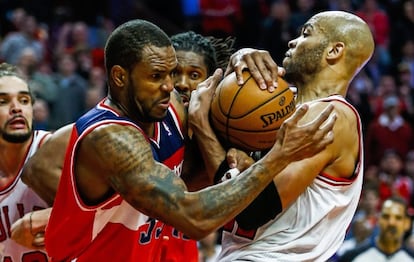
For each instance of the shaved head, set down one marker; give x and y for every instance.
(339, 26)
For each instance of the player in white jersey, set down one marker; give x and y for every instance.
(304, 214)
(311, 229)
(17, 143)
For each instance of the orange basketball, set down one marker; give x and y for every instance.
(247, 117)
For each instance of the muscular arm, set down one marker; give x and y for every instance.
(43, 170)
(118, 158)
(339, 159)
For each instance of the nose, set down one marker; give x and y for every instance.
(181, 83)
(15, 107)
(168, 85)
(292, 43)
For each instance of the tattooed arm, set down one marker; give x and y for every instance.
(119, 158)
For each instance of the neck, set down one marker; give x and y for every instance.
(320, 89)
(12, 157)
(148, 128)
(388, 246)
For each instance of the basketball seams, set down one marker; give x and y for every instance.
(245, 118)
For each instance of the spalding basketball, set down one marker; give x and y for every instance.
(247, 117)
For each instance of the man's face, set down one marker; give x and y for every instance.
(150, 84)
(16, 110)
(191, 70)
(393, 222)
(305, 53)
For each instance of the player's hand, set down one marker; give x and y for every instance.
(303, 141)
(260, 64)
(238, 159)
(200, 101)
(29, 230)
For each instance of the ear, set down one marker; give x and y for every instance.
(335, 52)
(118, 75)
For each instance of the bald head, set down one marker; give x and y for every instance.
(339, 26)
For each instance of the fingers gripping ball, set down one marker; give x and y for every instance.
(247, 117)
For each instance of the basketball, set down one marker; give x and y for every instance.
(247, 117)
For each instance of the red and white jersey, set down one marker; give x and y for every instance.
(17, 199)
(311, 229)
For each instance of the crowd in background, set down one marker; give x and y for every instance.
(59, 46)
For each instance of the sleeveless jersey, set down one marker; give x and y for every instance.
(310, 229)
(112, 230)
(158, 238)
(17, 199)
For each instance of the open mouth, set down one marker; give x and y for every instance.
(17, 123)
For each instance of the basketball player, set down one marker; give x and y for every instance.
(18, 142)
(112, 177)
(198, 57)
(314, 199)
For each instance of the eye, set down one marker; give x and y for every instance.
(156, 76)
(25, 100)
(195, 75)
(174, 73)
(3, 101)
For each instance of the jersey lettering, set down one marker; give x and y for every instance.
(154, 230)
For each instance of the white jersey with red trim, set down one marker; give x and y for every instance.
(17, 199)
(310, 229)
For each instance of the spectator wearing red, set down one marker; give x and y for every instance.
(389, 131)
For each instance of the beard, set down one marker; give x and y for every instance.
(137, 110)
(17, 138)
(304, 63)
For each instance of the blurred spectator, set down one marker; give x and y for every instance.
(408, 56)
(388, 131)
(302, 10)
(79, 39)
(409, 172)
(387, 87)
(97, 88)
(41, 115)
(275, 32)
(378, 21)
(406, 91)
(388, 245)
(41, 83)
(402, 29)
(72, 91)
(392, 180)
(14, 43)
(359, 92)
(219, 18)
(370, 203)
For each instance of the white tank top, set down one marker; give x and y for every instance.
(17, 199)
(311, 229)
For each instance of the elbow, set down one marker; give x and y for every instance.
(199, 228)
(199, 233)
